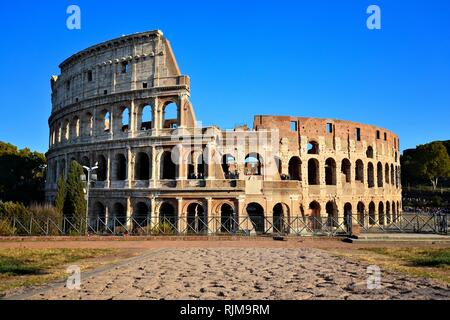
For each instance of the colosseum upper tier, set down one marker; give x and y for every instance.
(124, 106)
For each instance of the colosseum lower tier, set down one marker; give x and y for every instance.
(124, 107)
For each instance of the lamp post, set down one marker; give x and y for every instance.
(88, 178)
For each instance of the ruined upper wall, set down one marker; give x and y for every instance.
(332, 134)
(135, 62)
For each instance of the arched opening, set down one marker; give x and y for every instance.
(388, 212)
(167, 215)
(142, 166)
(397, 177)
(370, 175)
(314, 213)
(227, 221)
(369, 152)
(392, 175)
(76, 127)
(121, 167)
(359, 171)
(168, 170)
(381, 213)
(330, 172)
(66, 130)
(331, 210)
(313, 172)
(62, 171)
(124, 119)
(119, 215)
(146, 118)
(102, 168)
(105, 118)
(88, 125)
(280, 215)
(346, 170)
(85, 161)
(313, 147)
(196, 219)
(256, 214)
(372, 213)
(201, 168)
(394, 213)
(295, 169)
(253, 163)
(98, 218)
(229, 167)
(361, 213)
(141, 215)
(398, 209)
(348, 215)
(379, 175)
(170, 115)
(386, 173)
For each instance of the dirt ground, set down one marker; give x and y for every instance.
(235, 269)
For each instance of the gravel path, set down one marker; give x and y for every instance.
(244, 273)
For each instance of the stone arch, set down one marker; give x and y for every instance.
(392, 175)
(313, 147)
(168, 214)
(168, 167)
(120, 167)
(102, 170)
(170, 115)
(229, 166)
(388, 212)
(361, 212)
(295, 168)
(104, 122)
(386, 173)
(346, 168)
(119, 214)
(145, 117)
(332, 213)
(394, 212)
(142, 166)
(227, 218)
(369, 152)
(256, 214)
(123, 119)
(372, 219)
(370, 175)
(66, 127)
(75, 127)
(98, 217)
(196, 218)
(381, 213)
(313, 172)
(348, 214)
(330, 172)
(87, 125)
(359, 171)
(253, 164)
(141, 214)
(314, 213)
(280, 214)
(379, 175)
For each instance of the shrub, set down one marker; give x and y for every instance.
(6, 229)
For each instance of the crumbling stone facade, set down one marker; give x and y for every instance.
(110, 107)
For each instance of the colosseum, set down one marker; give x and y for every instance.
(124, 106)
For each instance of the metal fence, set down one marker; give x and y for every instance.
(219, 225)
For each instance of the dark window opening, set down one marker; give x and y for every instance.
(145, 85)
(125, 67)
(358, 134)
(89, 76)
(378, 134)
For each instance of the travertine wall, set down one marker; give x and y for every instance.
(109, 107)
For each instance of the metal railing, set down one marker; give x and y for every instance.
(229, 225)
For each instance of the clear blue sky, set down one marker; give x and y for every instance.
(302, 58)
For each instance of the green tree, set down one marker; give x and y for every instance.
(60, 194)
(22, 174)
(432, 162)
(74, 202)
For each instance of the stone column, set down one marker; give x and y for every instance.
(154, 166)
(109, 170)
(212, 223)
(130, 162)
(129, 214)
(181, 218)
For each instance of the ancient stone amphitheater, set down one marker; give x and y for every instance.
(124, 106)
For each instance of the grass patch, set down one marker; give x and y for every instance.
(432, 257)
(29, 267)
(420, 262)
